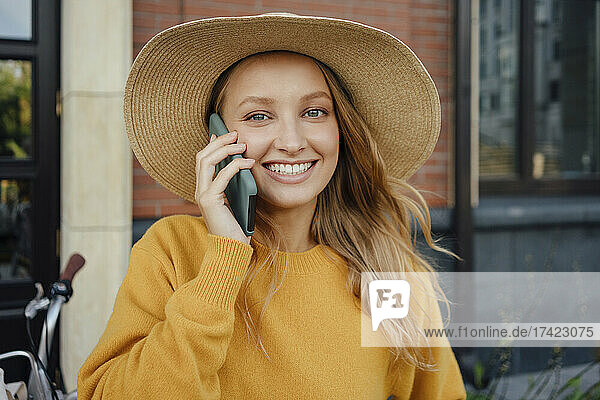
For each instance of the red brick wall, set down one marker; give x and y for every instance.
(424, 25)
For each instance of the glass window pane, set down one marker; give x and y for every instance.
(16, 233)
(498, 84)
(15, 109)
(15, 19)
(567, 87)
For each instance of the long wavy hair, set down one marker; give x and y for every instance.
(363, 214)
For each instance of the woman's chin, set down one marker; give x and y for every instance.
(287, 200)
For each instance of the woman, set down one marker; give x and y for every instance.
(192, 297)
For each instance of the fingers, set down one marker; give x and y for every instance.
(217, 141)
(205, 169)
(207, 159)
(225, 175)
(206, 166)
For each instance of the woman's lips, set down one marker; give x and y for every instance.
(291, 179)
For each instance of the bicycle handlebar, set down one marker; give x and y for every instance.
(60, 292)
(76, 261)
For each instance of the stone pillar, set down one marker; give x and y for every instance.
(96, 176)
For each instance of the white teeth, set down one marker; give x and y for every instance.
(287, 169)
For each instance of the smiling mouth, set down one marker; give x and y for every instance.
(289, 170)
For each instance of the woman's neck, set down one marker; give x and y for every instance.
(294, 224)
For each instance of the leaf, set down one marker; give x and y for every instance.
(478, 374)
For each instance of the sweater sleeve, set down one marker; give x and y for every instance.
(446, 382)
(166, 342)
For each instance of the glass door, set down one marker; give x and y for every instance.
(29, 161)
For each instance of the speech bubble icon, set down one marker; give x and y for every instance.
(389, 299)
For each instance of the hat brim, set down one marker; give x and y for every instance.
(171, 79)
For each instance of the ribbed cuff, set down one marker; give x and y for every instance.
(220, 277)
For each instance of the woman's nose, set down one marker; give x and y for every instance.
(291, 138)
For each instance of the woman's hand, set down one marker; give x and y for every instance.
(210, 195)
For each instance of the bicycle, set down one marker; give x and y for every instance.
(39, 385)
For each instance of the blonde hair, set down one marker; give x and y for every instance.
(363, 214)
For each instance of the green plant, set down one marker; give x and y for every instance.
(570, 390)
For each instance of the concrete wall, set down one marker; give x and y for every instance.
(96, 169)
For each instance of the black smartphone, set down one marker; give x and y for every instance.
(241, 189)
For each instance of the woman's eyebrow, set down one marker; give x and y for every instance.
(269, 100)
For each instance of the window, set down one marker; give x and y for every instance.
(29, 163)
(494, 99)
(541, 134)
(497, 140)
(15, 106)
(16, 20)
(29, 154)
(553, 96)
(573, 80)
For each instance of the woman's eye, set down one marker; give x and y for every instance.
(317, 110)
(254, 115)
(314, 111)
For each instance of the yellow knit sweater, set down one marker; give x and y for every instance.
(175, 334)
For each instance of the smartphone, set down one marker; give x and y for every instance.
(241, 189)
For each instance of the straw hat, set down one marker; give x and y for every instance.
(170, 82)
